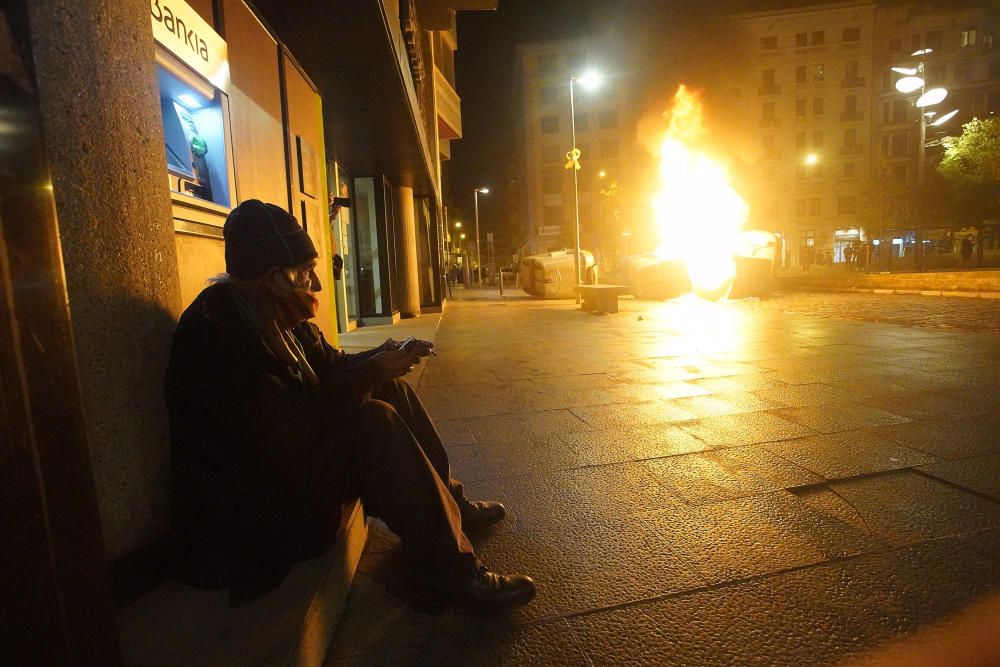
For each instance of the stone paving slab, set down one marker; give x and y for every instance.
(786, 481)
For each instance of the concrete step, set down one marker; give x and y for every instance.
(292, 625)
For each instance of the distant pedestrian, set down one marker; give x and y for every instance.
(849, 255)
(968, 243)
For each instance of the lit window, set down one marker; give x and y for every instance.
(818, 72)
(967, 38)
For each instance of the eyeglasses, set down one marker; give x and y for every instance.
(302, 278)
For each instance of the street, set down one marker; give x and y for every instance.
(793, 480)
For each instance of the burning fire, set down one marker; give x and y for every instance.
(698, 214)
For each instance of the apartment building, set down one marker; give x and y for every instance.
(805, 93)
(815, 89)
(605, 131)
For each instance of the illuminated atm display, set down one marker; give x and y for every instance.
(194, 137)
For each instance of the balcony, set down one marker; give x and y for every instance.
(769, 122)
(769, 89)
(852, 149)
(850, 116)
(439, 14)
(854, 82)
(449, 108)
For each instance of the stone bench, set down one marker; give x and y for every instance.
(290, 626)
(601, 298)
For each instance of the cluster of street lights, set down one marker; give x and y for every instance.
(914, 84)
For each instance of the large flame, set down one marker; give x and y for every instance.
(698, 214)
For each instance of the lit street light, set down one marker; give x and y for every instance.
(479, 264)
(914, 79)
(590, 80)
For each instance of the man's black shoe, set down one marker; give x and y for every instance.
(480, 513)
(486, 593)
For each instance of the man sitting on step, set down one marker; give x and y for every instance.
(273, 431)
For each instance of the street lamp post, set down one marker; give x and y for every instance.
(914, 79)
(479, 264)
(590, 80)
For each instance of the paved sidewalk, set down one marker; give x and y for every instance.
(704, 484)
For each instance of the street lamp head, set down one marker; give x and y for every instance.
(483, 191)
(945, 118)
(931, 97)
(908, 84)
(811, 159)
(602, 173)
(591, 79)
(921, 52)
(905, 71)
(458, 225)
(461, 236)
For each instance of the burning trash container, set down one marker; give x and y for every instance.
(650, 277)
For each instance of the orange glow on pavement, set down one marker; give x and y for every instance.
(698, 213)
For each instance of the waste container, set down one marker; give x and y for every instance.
(551, 275)
(650, 277)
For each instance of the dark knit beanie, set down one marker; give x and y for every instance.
(260, 236)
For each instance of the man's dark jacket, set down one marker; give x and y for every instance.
(260, 459)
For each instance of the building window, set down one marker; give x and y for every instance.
(899, 144)
(967, 38)
(895, 46)
(801, 39)
(608, 120)
(807, 238)
(850, 169)
(769, 43)
(963, 72)
(767, 77)
(552, 180)
(847, 205)
(551, 154)
(818, 38)
(552, 215)
(915, 42)
(899, 111)
(546, 63)
(851, 70)
(817, 139)
(609, 149)
(767, 111)
(818, 72)
(550, 124)
(582, 122)
(852, 34)
(817, 106)
(987, 40)
(800, 139)
(933, 40)
(800, 208)
(800, 74)
(549, 95)
(850, 137)
(813, 207)
(800, 108)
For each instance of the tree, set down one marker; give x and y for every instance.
(971, 164)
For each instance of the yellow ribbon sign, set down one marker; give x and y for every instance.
(573, 159)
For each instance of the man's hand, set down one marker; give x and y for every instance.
(396, 363)
(424, 347)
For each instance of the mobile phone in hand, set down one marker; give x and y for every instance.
(407, 344)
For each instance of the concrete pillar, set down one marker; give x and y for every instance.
(406, 255)
(101, 116)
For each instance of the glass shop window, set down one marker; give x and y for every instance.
(195, 119)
